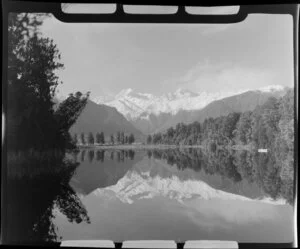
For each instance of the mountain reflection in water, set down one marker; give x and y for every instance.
(157, 194)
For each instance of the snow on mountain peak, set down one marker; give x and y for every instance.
(271, 88)
(135, 105)
(184, 92)
(135, 186)
(124, 93)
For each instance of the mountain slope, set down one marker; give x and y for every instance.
(139, 105)
(97, 118)
(133, 187)
(246, 101)
(134, 104)
(150, 113)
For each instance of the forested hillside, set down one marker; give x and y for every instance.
(243, 102)
(269, 126)
(101, 118)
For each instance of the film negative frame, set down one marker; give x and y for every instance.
(181, 16)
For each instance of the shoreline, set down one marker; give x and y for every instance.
(140, 146)
(158, 146)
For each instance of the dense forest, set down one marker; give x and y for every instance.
(33, 61)
(270, 126)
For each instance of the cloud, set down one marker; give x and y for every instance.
(235, 211)
(206, 76)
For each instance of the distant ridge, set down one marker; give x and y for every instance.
(246, 101)
(101, 118)
(134, 105)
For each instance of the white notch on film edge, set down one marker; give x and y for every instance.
(88, 243)
(150, 244)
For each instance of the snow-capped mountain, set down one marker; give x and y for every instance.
(134, 186)
(134, 105)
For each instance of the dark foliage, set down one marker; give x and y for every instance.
(32, 81)
(37, 184)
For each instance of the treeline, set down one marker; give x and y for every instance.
(270, 126)
(33, 60)
(99, 138)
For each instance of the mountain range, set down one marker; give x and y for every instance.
(143, 113)
(149, 113)
(143, 178)
(134, 186)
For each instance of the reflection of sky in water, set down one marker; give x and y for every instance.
(153, 200)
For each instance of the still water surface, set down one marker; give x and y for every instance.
(165, 194)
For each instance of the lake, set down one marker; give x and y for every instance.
(170, 194)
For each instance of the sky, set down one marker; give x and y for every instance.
(105, 58)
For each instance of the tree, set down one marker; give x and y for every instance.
(258, 135)
(286, 134)
(82, 137)
(270, 119)
(229, 123)
(264, 126)
(149, 139)
(33, 61)
(66, 115)
(131, 139)
(102, 138)
(112, 140)
(118, 138)
(122, 137)
(170, 132)
(242, 132)
(126, 139)
(156, 138)
(91, 138)
(75, 138)
(98, 138)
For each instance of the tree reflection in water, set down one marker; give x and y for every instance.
(262, 168)
(100, 155)
(119, 155)
(91, 155)
(38, 184)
